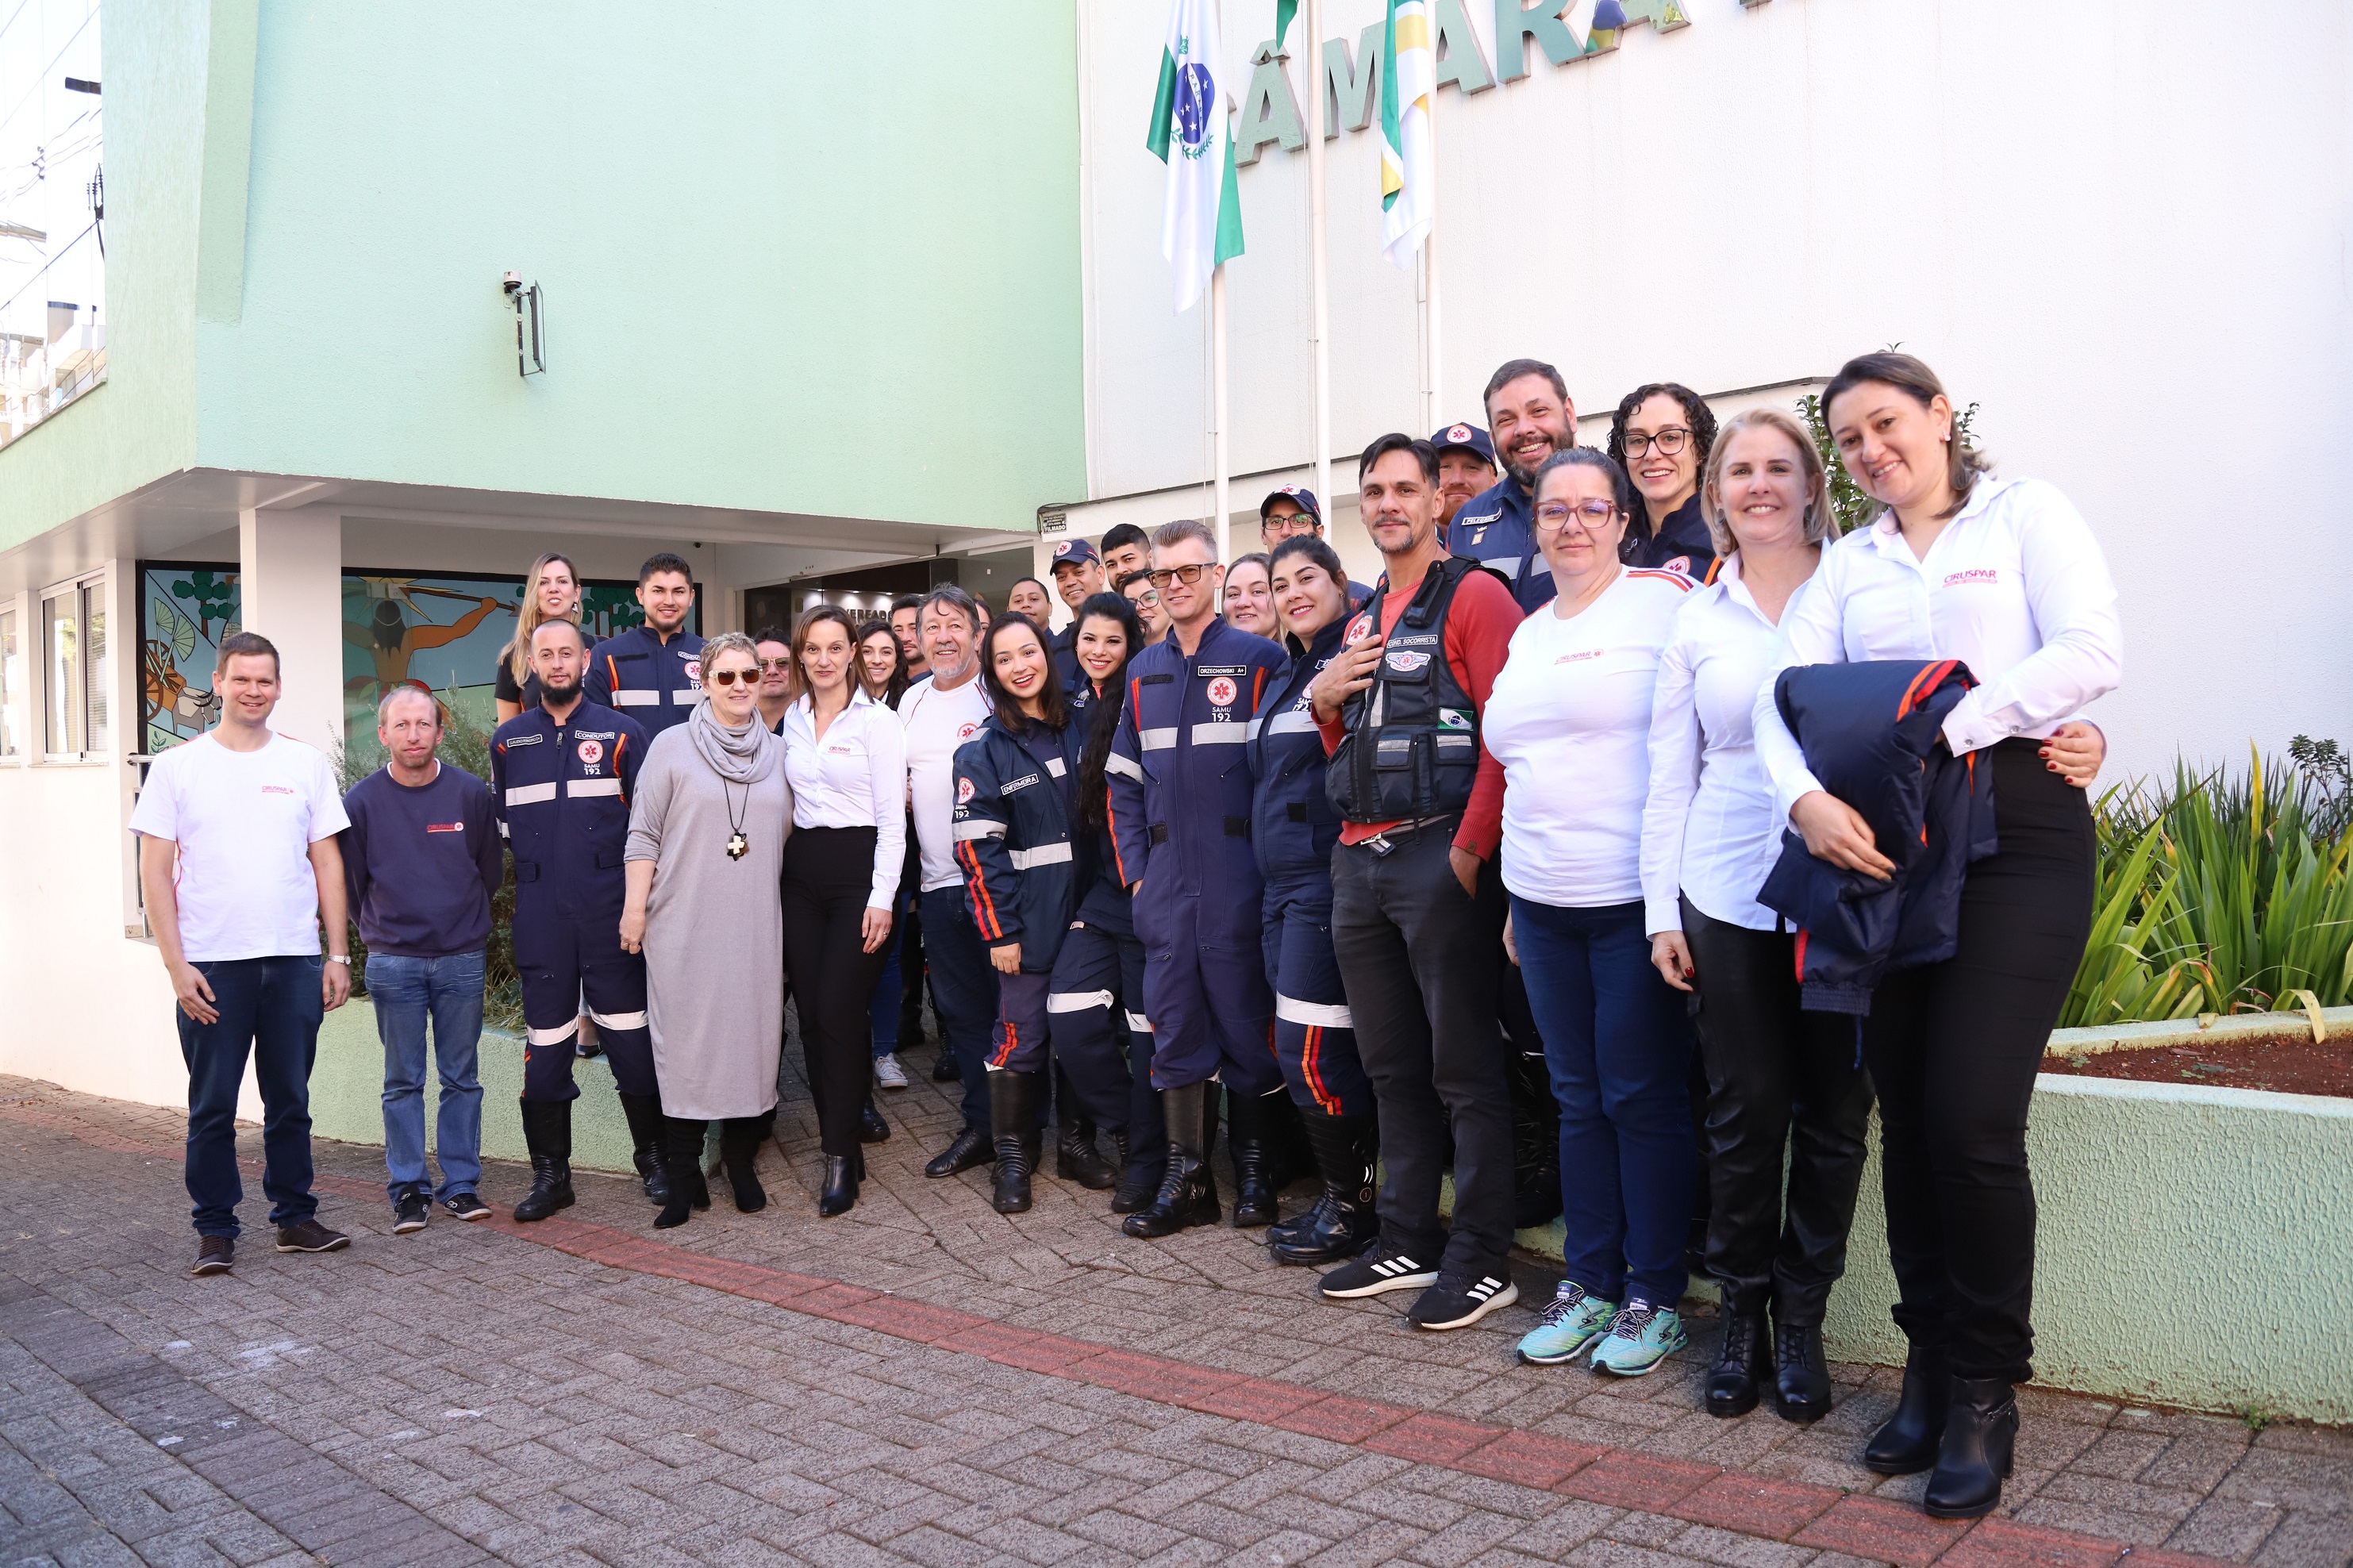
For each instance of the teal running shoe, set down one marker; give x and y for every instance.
(1572, 1320)
(1641, 1336)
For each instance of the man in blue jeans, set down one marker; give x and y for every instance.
(422, 859)
(238, 863)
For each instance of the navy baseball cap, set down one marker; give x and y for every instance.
(1470, 437)
(1300, 494)
(1073, 552)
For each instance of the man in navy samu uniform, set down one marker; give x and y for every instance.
(561, 777)
(1180, 807)
(652, 672)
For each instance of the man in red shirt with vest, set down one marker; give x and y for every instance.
(1418, 904)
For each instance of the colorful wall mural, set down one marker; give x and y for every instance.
(444, 633)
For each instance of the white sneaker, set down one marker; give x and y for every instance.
(889, 1073)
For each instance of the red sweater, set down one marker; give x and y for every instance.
(1479, 628)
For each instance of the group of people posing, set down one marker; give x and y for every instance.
(1764, 820)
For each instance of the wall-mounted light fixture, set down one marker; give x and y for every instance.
(530, 327)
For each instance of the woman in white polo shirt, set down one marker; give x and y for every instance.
(1570, 720)
(846, 757)
(2005, 577)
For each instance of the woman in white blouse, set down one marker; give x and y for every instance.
(2005, 576)
(846, 758)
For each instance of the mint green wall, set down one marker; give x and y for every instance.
(799, 257)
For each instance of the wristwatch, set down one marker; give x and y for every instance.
(343, 958)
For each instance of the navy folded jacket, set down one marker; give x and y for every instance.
(1871, 735)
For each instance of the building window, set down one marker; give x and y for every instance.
(12, 687)
(73, 640)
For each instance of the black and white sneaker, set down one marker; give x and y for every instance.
(1376, 1273)
(466, 1206)
(1457, 1300)
(408, 1212)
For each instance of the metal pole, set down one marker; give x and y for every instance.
(1218, 409)
(1319, 286)
(1431, 373)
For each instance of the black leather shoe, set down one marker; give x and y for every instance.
(1342, 1223)
(547, 1133)
(872, 1127)
(1801, 1374)
(944, 1070)
(839, 1195)
(1248, 1146)
(1076, 1158)
(1981, 1440)
(645, 1114)
(970, 1150)
(739, 1145)
(1013, 1133)
(682, 1159)
(1138, 1180)
(1741, 1365)
(1189, 1192)
(1906, 1443)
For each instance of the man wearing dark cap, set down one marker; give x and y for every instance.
(1292, 510)
(1078, 575)
(1466, 466)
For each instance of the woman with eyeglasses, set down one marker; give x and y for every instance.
(847, 758)
(2005, 576)
(708, 831)
(1137, 590)
(1249, 602)
(1570, 721)
(1661, 436)
(551, 593)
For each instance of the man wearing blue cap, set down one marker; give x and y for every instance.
(1078, 573)
(1293, 510)
(1466, 466)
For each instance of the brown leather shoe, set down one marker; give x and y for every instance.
(215, 1255)
(311, 1236)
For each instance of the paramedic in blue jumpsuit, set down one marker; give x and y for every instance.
(1294, 834)
(561, 777)
(1529, 418)
(1180, 806)
(652, 672)
(1095, 1009)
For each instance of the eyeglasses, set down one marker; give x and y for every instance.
(1593, 516)
(1147, 597)
(730, 677)
(1670, 440)
(1188, 575)
(1288, 526)
(780, 664)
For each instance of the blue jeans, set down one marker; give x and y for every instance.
(884, 1008)
(449, 991)
(1618, 1042)
(272, 1007)
(964, 990)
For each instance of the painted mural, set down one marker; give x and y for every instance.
(444, 633)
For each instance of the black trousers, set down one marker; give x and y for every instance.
(1954, 1049)
(1779, 1081)
(1420, 961)
(828, 872)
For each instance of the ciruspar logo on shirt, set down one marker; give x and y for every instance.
(591, 753)
(1222, 692)
(1975, 574)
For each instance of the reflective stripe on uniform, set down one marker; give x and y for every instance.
(529, 795)
(1227, 733)
(1156, 740)
(1054, 766)
(1320, 1014)
(1127, 767)
(687, 696)
(618, 1020)
(1044, 855)
(1138, 1021)
(579, 787)
(1077, 1001)
(964, 830)
(637, 698)
(556, 1037)
(1290, 722)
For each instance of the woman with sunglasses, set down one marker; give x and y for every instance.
(707, 836)
(847, 758)
(1661, 436)
(1570, 721)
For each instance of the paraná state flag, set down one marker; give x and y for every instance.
(1200, 214)
(1408, 172)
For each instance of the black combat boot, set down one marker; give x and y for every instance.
(1076, 1158)
(1138, 1179)
(1252, 1153)
(682, 1158)
(1906, 1443)
(1343, 1223)
(1980, 1433)
(547, 1133)
(1744, 1364)
(1013, 1099)
(645, 1114)
(1802, 1373)
(1188, 1192)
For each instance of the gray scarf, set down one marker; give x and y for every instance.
(743, 756)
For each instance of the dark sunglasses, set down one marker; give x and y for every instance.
(730, 677)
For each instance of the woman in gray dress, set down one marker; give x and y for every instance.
(707, 835)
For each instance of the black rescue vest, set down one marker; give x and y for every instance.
(1412, 746)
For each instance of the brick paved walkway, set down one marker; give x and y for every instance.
(924, 1380)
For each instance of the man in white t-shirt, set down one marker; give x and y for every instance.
(238, 860)
(941, 714)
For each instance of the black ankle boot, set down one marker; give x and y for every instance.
(1980, 1438)
(1342, 1223)
(1189, 1192)
(547, 1133)
(1247, 1146)
(1138, 1178)
(1802, 1373)
(1741, 1365)
(1013, 1130)
(1906, 1443)
(645, 1114)
(739, 1145)
(1076, 1158)
(839, 1195)
(682, 1158)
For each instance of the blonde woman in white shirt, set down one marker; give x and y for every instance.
(2005, 577)
(846, 757)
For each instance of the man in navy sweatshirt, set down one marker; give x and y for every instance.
(423, 858)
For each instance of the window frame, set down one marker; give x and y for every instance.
(74, 683)
(12, 695)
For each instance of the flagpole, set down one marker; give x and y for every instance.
(1319, 282)
(1217, 410)
(1430, 415)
